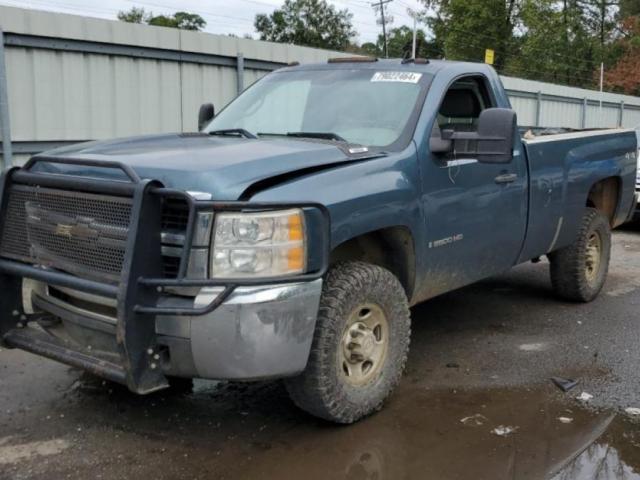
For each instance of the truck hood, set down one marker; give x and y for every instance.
(222, 166)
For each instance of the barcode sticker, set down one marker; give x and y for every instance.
(403, 77)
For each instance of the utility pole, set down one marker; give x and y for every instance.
(379, 5)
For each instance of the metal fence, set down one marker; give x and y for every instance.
(66, 78)
(71, 78)
(548, 105)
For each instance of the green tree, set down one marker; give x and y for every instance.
(369, 48)
(314, 23)
(562, 41)
(600, 18)
(466, 28)
(400, 44)
(135, 15)
(181, 20)
(554, 45)
(628, 8)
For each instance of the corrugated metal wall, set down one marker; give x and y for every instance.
(73, 78)
(549, 105)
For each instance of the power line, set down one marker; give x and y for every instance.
(548, 75)
(380, 5)
(498, 40)
(65, 6)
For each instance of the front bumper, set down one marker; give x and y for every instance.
(256, 333)
(145, 327)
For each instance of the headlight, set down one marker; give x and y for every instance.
(265, 244)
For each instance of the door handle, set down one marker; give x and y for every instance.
(506, 178)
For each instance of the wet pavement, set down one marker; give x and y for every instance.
(476, 402)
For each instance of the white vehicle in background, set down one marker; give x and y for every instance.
(636, 216)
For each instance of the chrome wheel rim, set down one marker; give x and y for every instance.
(364, 345)
(592, 258)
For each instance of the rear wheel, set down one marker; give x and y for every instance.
(579, 270)
(360, 344)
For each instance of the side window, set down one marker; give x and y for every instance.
(462, 104)
(460, 110)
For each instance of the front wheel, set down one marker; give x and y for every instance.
(360, 344)
(579, 270)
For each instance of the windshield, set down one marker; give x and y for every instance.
(358, 106)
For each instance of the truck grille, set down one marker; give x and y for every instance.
(80, 233)
(175, 215)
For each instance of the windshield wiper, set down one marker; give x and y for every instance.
(233, 131)
(322, 135)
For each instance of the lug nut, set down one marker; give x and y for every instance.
(153, 366)
(150, 351)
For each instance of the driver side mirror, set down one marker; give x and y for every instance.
(491, 143)
(205, 115)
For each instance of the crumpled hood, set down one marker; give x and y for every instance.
(222, 166)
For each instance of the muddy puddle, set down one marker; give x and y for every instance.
(243, 431)
(498, 434)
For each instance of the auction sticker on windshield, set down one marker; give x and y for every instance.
(404, 77)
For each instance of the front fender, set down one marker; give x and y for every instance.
(362, 197)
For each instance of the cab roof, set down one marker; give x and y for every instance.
(429, 66)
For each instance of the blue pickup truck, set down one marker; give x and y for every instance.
(290, 235)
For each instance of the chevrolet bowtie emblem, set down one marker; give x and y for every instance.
(64, 230)
(79, 231)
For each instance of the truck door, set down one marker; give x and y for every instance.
(475, 213)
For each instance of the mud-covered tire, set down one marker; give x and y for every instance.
(572, 276)
(323, 389)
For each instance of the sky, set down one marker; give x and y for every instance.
(226, 16)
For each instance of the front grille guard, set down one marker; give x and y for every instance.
(141, 283)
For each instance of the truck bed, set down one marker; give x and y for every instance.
(560, 164)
